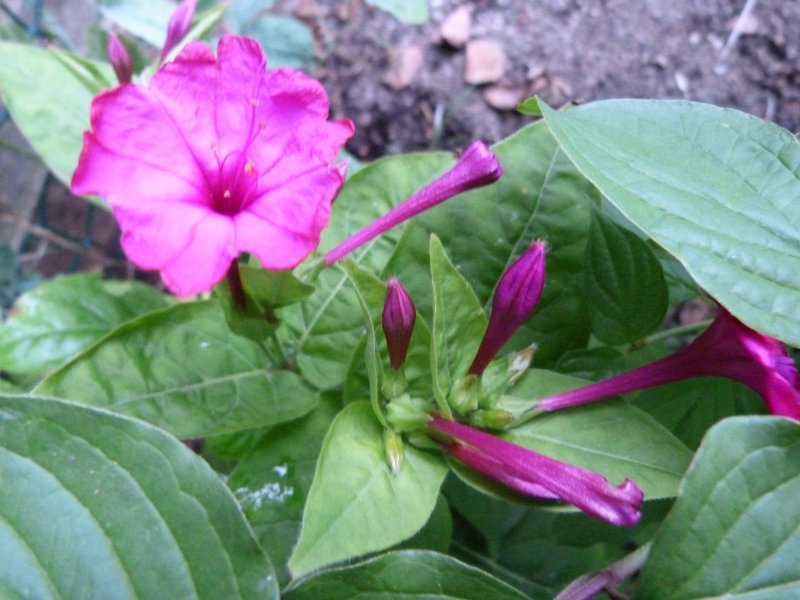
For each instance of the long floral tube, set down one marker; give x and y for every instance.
(533, 474)
(728, 348)
(477, 167)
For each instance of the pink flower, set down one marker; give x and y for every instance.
(532, 474)
(477, 167)
(728, 348)
(515, 299)
(217, 156)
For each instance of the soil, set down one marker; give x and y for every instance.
(562, 50)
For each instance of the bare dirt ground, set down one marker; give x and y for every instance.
(407, 89)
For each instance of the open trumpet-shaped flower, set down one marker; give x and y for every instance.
(532, 474)
(728, 348)
(477, 167)
(217, 156)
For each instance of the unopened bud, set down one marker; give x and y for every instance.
(393, 448)
(514, 301)
(120, 59)
(179, 24)
(465, 394)
(494, 418)
(399, 316)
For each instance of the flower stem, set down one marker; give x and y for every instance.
(679, 330)
(235, 284)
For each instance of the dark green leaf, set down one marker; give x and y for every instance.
(99, 506)
(64, 316)
(404, 575)
(713, 186)
(733, 530)
(182, 369)
(436, 534)
(356, 505)
(272, 482)
(624, 283)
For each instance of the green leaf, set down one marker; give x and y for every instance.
(182, 369)
(324, 330)
(276, 288)
(240, 12)
(48, 104)
(458, 322)
(733, 530)
(530, 107)
(406, 574)
(146, 19)
(624, 282)
(356, 505)
(65, 316)
(286, 41)
(272, 482)
(100, 506)
(94, 76)
(689, 408)
(713, 186)
(437, 532)
(541, 195)
(610, 437)
(413, 12)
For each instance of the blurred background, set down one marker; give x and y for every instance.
(412, 75)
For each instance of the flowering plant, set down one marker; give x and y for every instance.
(451, 377)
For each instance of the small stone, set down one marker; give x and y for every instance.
(456, 27)
(486, 61)
(503, 97)
(404, 64)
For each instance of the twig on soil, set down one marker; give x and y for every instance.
(720, 68)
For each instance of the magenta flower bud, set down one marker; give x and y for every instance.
(514, 301)
(477, 167)
(120, 59)
(532, 474)
(399, 316)
(179, 24)
(728, 348)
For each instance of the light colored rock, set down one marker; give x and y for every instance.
(404, 64)
(504, 97)
(486, 61)
(456, 27)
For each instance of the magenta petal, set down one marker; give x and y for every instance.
(519, 468)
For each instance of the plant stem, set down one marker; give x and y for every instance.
(235, 284)
(679, 330)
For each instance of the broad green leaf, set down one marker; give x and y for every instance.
(541, 195)
(733, 530)
(286, 41)
(94, 76)
(182, 369)
(356, 505)
(324, 330)
(610, 437)
(48, 104)
(437, 532)
(404, 575)
(272, 482)
(413, 12)
(95, 505)
(64, 316)
(689, 408)
(625, 286)
(146, 19)
(713, 186)
(458, 322)
(240, 12)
